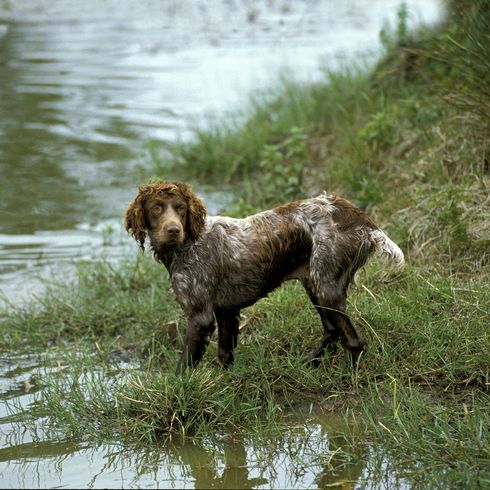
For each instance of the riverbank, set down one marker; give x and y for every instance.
(408, 142)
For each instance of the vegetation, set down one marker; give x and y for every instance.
(409, 142)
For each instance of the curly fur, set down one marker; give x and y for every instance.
(224, 264)
(136, 223)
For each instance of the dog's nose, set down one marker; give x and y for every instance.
(173, 230)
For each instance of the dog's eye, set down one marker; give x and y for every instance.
(156, 209)
(181, 207)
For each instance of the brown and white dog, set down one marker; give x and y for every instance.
(219, 265)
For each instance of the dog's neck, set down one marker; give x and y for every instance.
(169, 255)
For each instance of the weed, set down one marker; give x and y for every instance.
(390, 38)
(280, 175)
(380, 131)
(107, 233)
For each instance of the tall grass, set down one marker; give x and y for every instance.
(231, 149)
(468, 50)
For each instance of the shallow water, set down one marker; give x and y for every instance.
(84, 87)
(304, 455)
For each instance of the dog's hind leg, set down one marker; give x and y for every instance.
(351, 340)
(330, 331)
(336, 325)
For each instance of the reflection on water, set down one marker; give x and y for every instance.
(297, 460)
(308, 452)
(84, 85)
(304, 455)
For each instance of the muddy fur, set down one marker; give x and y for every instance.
(218, 265)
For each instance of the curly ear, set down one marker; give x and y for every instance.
(135, 222)
(196, 211)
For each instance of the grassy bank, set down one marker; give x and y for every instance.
(419, 396)
(408, 141)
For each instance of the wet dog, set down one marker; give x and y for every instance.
(219, 265)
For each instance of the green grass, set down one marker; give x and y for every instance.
(419, 395)
(408, 141)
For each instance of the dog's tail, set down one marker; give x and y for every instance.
(388, 248)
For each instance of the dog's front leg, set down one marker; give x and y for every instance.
(199, 330)
(228, 320)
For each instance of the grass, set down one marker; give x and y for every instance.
(408, 141)
(421, 388)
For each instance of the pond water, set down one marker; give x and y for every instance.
(84, 87)
(306, 453)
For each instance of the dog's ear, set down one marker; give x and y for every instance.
(196, 212)
(135, 219)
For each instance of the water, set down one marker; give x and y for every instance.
(84, 87)
(305, 455)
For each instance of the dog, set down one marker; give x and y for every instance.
(219, 265)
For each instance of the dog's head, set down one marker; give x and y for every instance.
(169, 213)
